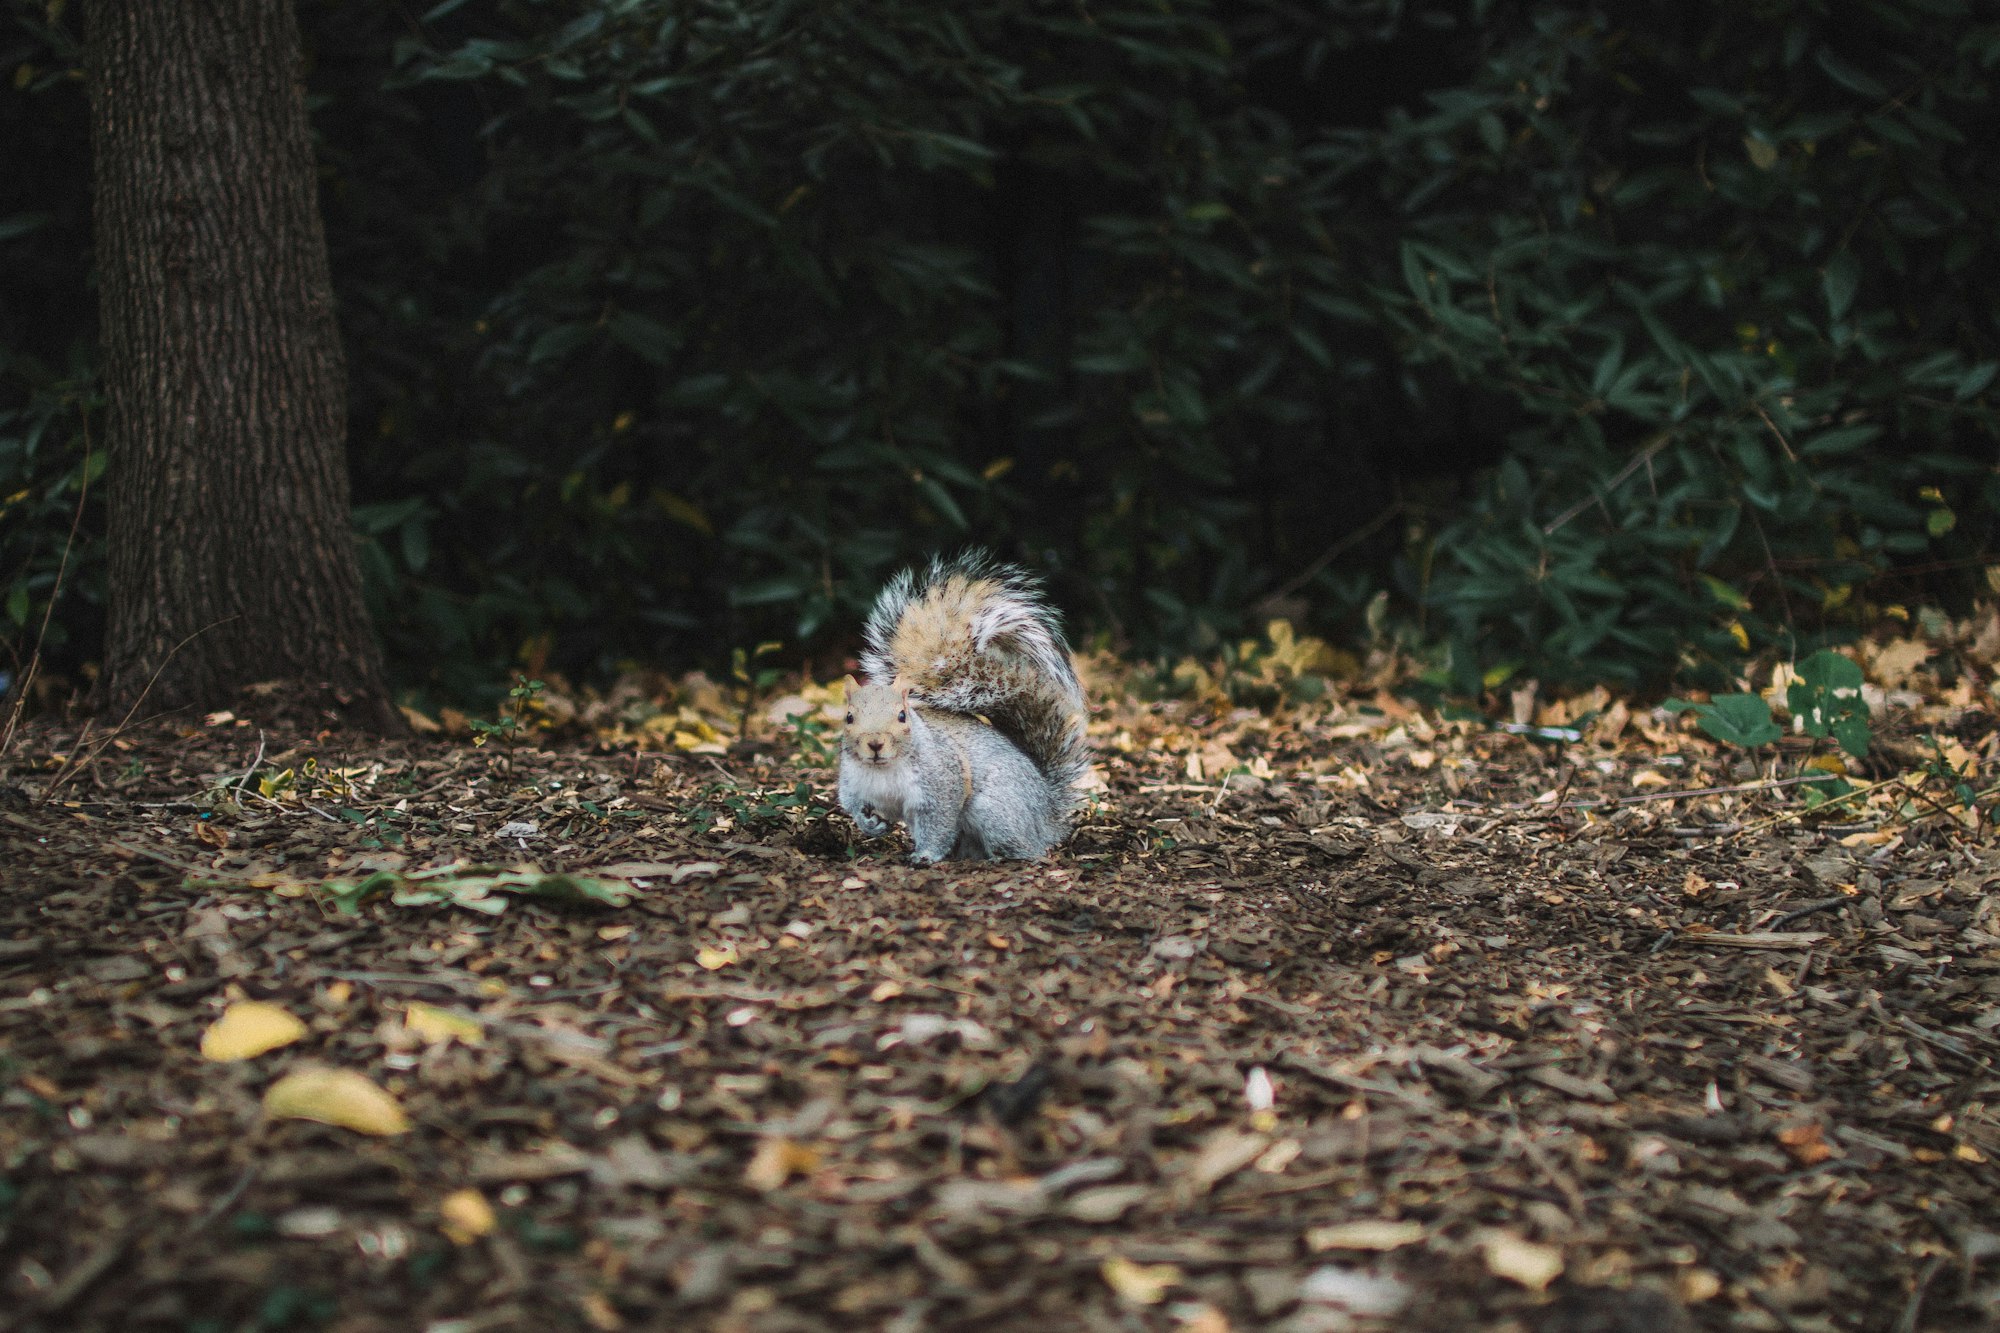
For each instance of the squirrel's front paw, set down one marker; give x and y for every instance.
(924, 859)
(871, 824)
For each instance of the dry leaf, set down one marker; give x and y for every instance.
(464, 1216)
(777, 1160)
(1897, 660)
(335, 1097)
(248, 1028)
(1138, 1284)
(1225, 1152)
(1373, 1234)
(712, 958)
(1201, 1319)
(1519, 1260)
(1806, 1143)
(441, 1025)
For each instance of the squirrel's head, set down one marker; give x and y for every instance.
(877, 722)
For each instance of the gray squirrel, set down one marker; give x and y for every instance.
(970, 729)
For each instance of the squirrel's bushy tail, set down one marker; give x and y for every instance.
(974, 636)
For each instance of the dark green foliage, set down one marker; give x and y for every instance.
(1826, 699)
(1734, 719)
(50, 408)
(1752, 304)
(1668, 332)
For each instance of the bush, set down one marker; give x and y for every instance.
(1663, 337)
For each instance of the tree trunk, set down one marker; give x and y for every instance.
(231, 556)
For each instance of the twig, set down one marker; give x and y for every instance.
(49, 792)
(1596, 497)
(55, 591)
(1806, 911)
(1785, 816)
(1911, 1311)
(251, 771)
(1762, 784)
(225, 1203)
(1329, 555)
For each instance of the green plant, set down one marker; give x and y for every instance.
(815, 740)
(1742, 720)
(752, 680)
(512, 719)
(1825, 698)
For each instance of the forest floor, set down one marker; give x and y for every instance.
(1342, 1018)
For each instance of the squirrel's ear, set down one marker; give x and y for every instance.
(849, 686)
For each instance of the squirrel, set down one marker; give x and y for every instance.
(970, 729)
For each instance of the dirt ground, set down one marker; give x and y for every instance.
(1406, 1025)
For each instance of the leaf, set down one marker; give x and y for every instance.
(712, 959)
(1523, 1261)
(776, 1161)
(250, 1028)
(1849, 75)
(1734, 719)
(464, 1216)
(1225, 1152)
(1371, 1234)
(1826, 699)
(1138, 1284)
(1839, 283)
(335, 1097)
(441, 1025)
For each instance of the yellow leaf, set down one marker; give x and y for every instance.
(1519, 1260)
(1138, 1284)
(247, 1028)
(777, 1160)
(1374, 1234)
(464, 1216)
(441, 1025)
(712, 958)
(335, 1097)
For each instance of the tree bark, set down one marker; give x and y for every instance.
(231, 555)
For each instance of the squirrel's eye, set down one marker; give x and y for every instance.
(850, 719)
(902, 716)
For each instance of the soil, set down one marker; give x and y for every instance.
(1405, 1025)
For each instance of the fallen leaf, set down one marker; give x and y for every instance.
(1373, 1234)
(464, 1216)
(1806, 1143)
(1138, 1284)
(712, 958)
(1225, 1152)
(441, 1025)
(1201, 1319)
(776, 1161)
(1519, 1260)
(1354, 1291)
(1105, 1203)
(249, 1028)
(335, 1097)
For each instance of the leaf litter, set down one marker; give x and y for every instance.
(1346, 1015)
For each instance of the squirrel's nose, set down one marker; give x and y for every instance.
(875, 747)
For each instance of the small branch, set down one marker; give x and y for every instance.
(1596, 497)
(55, 591)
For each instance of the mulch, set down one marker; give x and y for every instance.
(1348, 1018)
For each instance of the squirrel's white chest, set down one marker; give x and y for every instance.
(882, 788)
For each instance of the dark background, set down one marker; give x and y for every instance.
(1582, 340)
